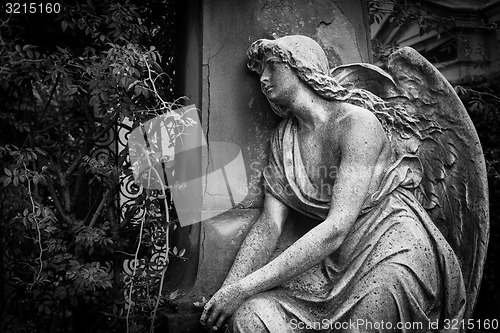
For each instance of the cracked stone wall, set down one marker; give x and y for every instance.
(233, 108)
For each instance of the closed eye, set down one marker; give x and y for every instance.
(271, 62)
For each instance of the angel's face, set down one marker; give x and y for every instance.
(278, 82)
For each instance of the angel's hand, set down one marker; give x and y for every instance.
(222, 305)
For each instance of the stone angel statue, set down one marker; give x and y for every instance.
(401, 218)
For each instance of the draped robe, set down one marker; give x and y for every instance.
(394, 264)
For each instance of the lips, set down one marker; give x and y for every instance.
(266, 88)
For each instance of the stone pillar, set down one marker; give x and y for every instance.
(214, 37)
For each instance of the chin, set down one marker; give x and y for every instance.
(276, 99)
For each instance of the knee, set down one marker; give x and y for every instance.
(378, 305)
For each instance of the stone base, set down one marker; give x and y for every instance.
(185, 323)
(220, 237)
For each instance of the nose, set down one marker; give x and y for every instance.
(264, 77)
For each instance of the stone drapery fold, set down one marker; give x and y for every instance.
(394, 264)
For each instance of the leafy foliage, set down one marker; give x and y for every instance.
(67, 81)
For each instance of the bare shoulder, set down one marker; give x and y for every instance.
(359, 125)
(355, 117)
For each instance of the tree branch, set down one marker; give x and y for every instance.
(106, 128)
(99, 209)
(75, 164)
(65, 191)
(483, 93)
(53, 90)
(81, 169)
(74, 120)
(129, 214)
(78, 184)
(57, 203)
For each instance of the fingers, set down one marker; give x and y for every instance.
(220, 322)
(212, 319)
(206, 311)
(217, 326)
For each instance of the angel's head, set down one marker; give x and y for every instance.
(289, 63)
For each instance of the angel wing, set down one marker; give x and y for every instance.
(454, 188)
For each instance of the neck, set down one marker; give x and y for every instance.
(310, 109)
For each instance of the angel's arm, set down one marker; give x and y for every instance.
(362, 143)
(260, 241)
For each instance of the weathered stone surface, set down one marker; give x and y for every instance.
(393, 232)
(214, 38)
(233, 109)
(335, 25)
